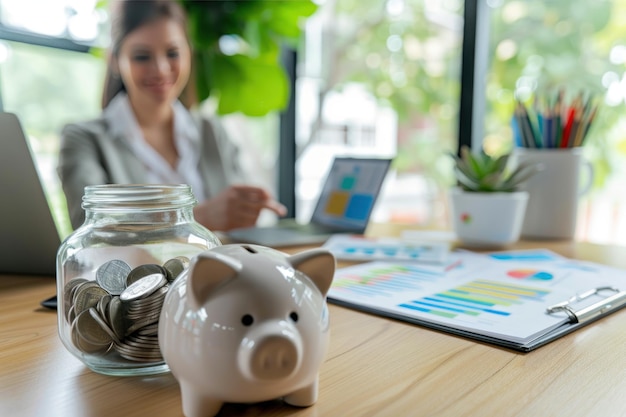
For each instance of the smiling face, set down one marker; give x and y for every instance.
(154, 63)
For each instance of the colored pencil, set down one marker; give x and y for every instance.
(551, 123)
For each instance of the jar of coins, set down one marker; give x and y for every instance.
(114, 271)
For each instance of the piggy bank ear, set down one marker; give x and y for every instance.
(317, 264)
(207, 271)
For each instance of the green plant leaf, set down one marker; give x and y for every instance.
(197, 22)
(260, 40)
(484, 163)
(253, 35)
(285, 17)
(472, 161)
(254, 81)
(500, 163)
(250, 86)
(98, 52)
(493, 180)
(468, 172)
(465, 182)
(482, 172)
(522, 173)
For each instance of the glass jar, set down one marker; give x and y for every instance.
(113, 273)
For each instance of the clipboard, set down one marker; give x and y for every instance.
(582, 316)
(561, 318)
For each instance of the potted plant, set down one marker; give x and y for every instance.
(487, 206)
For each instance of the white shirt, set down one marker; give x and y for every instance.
(123, 123)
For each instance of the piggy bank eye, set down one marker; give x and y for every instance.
(293, 316)
(247, 320)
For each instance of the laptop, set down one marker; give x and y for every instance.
(345, 205)
(29, 237)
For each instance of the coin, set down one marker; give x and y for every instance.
(68, 294)
(152, 302)
(115, 317)
(71, 315)
(90, 330)
(150, 330)
(84, 346)
(138, 324)
(75, 288)
(71, 284)
(143, 342)
(185, 260)
(119, 311)
(112, 276)
(142, 271)
(103, 305)
(87, 295)
(103, 324)
(144, 287)
(175, 266)
(139, 355)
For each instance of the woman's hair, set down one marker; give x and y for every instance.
(128, 15)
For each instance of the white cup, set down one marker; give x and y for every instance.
(554, 192)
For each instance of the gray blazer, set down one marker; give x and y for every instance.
(90, 154)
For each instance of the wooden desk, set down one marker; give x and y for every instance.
(375, 367)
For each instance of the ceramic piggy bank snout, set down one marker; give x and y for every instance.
(272, 351)
(246, 323)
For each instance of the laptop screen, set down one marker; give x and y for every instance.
(29, 235)
(350, 191)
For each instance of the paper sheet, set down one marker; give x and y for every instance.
(502, 295)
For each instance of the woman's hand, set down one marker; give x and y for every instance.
(237, 206)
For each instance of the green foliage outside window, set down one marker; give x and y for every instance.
(540, 47)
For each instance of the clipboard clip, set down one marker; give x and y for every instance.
(610, 303)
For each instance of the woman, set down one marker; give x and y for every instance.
(146, 135)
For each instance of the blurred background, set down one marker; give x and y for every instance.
(373, 78)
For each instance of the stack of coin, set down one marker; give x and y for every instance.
(143, 300)
(120, 310)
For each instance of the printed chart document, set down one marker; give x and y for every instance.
(353, 247)
(500, 298)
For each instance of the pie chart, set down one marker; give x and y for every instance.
(530, 274)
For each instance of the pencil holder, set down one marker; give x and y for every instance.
(554, 192)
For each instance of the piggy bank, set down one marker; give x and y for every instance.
(246, 323)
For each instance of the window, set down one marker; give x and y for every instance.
(381, 78)
(76, 20)
(49, 86)
(538, 48)
(374, 77)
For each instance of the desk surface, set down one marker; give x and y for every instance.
(375, 367)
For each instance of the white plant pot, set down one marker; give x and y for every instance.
(488, 219)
